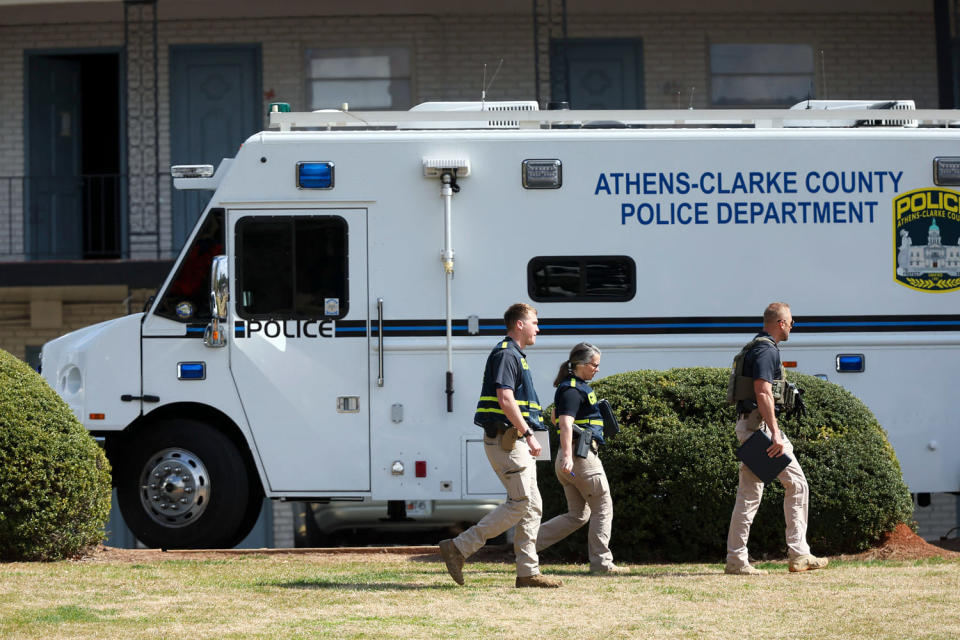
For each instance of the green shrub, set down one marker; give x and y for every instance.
(673, 471)
(54, 479)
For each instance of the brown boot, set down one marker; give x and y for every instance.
(745, 570)
(453, 559)
(609, 570)
(538, 580)
(807, 563)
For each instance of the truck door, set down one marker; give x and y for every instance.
(299, 353)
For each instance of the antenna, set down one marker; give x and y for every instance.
(823, 73)
(484, 85)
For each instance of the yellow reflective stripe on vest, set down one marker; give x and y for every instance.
(525, 414)
(522, 403)
(591, 421)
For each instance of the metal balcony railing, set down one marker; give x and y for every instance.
(51, 218)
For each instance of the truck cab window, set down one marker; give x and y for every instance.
(187, 299)
(582, 278)
(292, 267)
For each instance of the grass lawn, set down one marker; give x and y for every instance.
(405, 597)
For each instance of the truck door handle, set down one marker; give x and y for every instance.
(146, 398)
(379, 342)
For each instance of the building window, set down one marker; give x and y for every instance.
(370, 78)
(582, 278)
(762, 75)
(292, 267)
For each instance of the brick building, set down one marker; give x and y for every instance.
(101, 97)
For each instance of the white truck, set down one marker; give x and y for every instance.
(323, 332)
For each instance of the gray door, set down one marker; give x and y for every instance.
(55, 214)
(597, 74)
(214, 106)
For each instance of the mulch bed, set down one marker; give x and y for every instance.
(903, 544)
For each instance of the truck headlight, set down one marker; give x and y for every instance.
(71, 381)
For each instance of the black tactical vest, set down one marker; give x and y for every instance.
(740, 387)
(588, 414)
(488, 409)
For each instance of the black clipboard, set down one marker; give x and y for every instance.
(610, 425)
(753, 453)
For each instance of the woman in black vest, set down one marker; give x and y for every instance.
(583, 479)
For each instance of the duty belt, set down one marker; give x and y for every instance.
(493, 429)
(594, 445)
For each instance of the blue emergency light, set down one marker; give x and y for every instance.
(191, 371)
(315, 175)
(850, 363)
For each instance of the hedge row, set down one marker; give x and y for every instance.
(673, 471)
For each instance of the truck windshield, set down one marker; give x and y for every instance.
(187, 299)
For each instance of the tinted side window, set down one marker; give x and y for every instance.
(187, 299)
(321, 267)
(292, 267)
(265, 266)
(582, 278)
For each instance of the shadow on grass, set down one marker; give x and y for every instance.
(492, 554)
(634, 573)
(502, 554)
(355, 586)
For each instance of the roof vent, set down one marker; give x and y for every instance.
(855, 105)
(514, 105)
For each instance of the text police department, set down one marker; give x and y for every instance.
(748, 183)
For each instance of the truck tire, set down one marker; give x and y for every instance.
(184, 485)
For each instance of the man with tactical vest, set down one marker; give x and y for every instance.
(759, 387)
(509, 413)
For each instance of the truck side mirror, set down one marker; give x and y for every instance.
(213, 335)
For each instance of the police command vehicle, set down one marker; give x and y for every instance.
(323, 332)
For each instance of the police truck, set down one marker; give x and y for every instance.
(323, 332)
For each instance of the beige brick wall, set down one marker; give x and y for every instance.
(83, 307)
(880, 55)
(939, 517)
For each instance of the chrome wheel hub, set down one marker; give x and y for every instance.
(174, 487)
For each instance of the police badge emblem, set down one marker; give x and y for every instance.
(185, 310)
(926, 240)
(331, 306)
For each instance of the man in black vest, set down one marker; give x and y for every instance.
(758, 410)
(509, 413)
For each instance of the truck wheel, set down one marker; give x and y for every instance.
(184, 485)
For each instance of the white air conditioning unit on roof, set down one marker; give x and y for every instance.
(854, 105)
(506, 105)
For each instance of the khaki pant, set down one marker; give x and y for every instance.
(750, 491)
(588, 498)
(517, 471)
